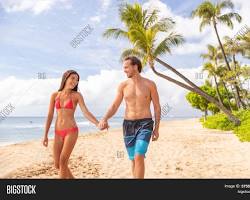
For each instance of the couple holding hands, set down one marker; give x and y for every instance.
(138, 125)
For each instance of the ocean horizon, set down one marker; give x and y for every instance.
(22, 128)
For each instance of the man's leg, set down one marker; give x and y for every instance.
(139, 167)
(133, 168)
(131, 153)
(129, 140)
(141, 147)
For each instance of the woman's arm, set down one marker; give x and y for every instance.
(85, 110)
(49, 118)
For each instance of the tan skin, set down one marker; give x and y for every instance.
(138, 93)
(62, 149)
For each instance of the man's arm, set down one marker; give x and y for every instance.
(157, 110)
(116, 103)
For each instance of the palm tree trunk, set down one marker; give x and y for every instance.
(180, 75)
(234, 119)
(228, 97)
(237, 99)
(235, 68)
(238, 96)
(237, 102)
(221, 46)
(217, 91)
(205, 115)
(177, 73)
(236, 85)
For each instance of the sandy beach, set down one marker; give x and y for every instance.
(184, 150)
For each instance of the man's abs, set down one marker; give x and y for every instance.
(133, 114)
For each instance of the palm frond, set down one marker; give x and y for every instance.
(138, 37)
(115, 33)
(204, 23)
(164, 24)
(131, 13)
(131, 52)
(206, 10)
(151, 18)
(225, 4)
(166, 44)
(227, 19)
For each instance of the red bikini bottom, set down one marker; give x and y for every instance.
(65, 131)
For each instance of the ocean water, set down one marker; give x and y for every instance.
(20, 129)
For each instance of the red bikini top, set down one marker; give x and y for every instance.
(69, 104)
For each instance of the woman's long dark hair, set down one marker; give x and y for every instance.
(65, 77)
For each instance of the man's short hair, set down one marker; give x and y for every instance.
(135, 61)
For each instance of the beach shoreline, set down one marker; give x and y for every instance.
(185, 150)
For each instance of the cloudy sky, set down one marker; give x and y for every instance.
(36, 35)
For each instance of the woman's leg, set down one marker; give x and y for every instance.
(57, 149)
(69, 143)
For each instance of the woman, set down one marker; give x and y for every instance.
(66, 130)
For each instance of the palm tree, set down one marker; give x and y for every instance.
(213, 55)
(245, 72)
(232, 48)
(211, 69)
(221, 71)
(244, 42)
(211, 14)
(143, 28)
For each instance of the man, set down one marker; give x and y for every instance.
(138, 92)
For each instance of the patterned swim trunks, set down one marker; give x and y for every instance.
(137, 134)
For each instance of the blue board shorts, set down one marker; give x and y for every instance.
(137, 134)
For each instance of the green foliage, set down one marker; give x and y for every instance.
(197, 101)
(213, 108)
(200, 102)
(220, 121)
(243, 131)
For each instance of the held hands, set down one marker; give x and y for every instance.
(103, 124)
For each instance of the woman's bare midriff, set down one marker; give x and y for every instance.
(65, 119)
